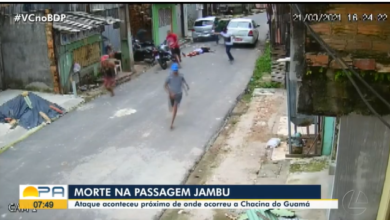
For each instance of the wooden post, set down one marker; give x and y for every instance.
(129, 40)
(2, 74)
(52, 55)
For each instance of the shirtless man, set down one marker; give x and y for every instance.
(108, 71)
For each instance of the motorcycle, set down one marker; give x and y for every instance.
(164, 55)
(144, 51)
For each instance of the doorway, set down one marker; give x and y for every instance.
(141, 18)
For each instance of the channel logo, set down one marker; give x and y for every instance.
(43, 192)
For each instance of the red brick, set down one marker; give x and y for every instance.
(344, 28)
(335, 43)
(367, 37)
(359, 9)
(318, 60)
(365, 64)
(335, 65)
(358, 45)
(321, 28)
(381, 46)
(369, 28)
(342, 11)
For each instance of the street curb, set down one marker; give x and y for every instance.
(29, 132)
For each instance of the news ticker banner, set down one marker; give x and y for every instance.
(173, 197)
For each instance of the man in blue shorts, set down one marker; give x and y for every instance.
(174, 86)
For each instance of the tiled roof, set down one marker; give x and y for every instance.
(77, 21)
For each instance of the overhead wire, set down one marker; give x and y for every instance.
(341, 62)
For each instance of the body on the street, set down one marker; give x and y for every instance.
(174, 86)
(228, 43)
(108, 71)
(198, 51)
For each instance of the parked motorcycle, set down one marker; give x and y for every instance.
(164, 55)
(144, 51)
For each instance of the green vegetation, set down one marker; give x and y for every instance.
(315, 165)
(370, 76)
(262, 68)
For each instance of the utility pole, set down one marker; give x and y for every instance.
(129, 40)
(199, 8)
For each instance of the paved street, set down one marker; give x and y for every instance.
(126, 139)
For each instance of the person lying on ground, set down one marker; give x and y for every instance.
(198, 52)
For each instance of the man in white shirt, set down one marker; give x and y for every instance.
(228, 43)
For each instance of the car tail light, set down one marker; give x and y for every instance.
(192, 30)
(250, 33)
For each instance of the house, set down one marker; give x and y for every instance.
(335, 65)
(164, 19)
(78, 39)
(39, 56)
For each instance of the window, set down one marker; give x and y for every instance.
(239, 24)
(203, 23)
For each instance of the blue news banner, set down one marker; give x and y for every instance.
(197, 197)
(194, 192)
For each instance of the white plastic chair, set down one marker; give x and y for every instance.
(118, 66)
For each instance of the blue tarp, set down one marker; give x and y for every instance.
(27, 117)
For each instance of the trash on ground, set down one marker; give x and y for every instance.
(273, 143)
(29, 111)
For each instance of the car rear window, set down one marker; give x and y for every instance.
(239, 24)
(203, 23)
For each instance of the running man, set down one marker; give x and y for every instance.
(174, 86)
(228, 43)
(174, 45)
(108, 70)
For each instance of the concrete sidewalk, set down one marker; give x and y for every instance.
(9, 137)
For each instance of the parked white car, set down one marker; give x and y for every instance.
(244, 31)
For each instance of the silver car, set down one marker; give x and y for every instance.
(244, 31)
(204, 28)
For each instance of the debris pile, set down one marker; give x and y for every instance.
(29, 111)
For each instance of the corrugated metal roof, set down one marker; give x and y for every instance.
(77, 21)
(56, 8)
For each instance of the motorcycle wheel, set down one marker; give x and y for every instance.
(163, 64)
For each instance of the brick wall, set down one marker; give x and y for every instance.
(365, 45)
(372, 37)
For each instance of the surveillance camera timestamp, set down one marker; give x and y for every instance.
(367, 17)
